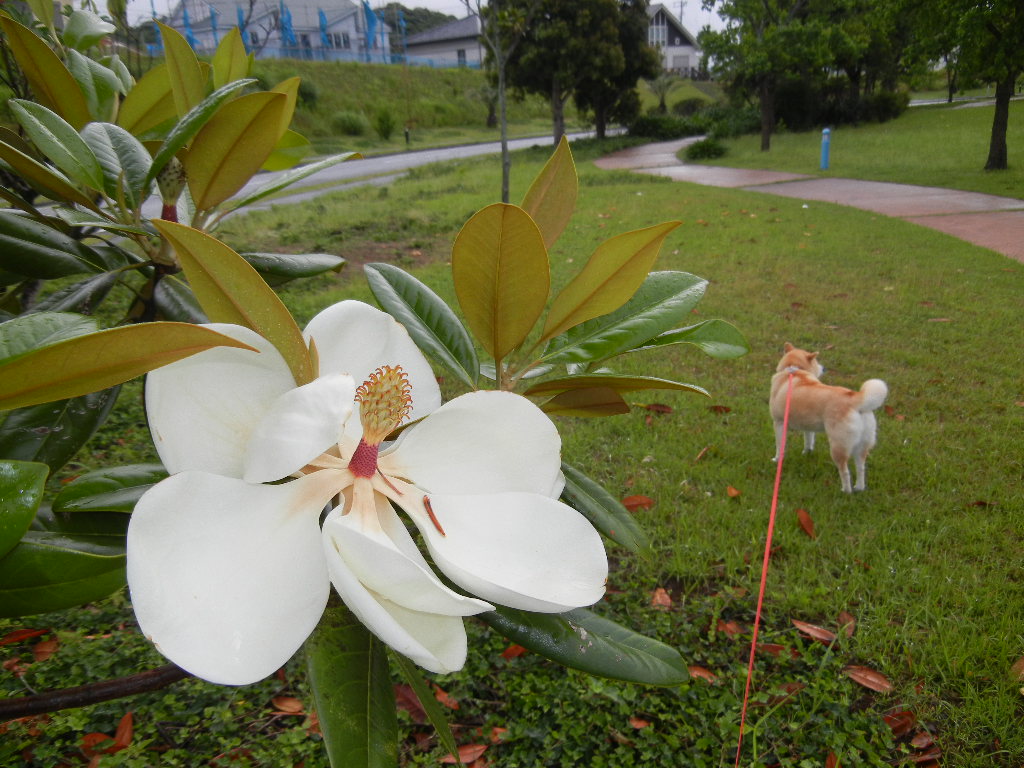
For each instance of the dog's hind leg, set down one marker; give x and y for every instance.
(860, 453)
(778, 439)
(842, 460)
(808, 441)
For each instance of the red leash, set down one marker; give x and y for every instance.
(764, 564)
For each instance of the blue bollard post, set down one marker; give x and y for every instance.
(824, 148)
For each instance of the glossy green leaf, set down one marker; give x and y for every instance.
(21, 489)
(100, 85)
(42, 10)
(355, 699)
(149, 103)
(603, 510)
(51, 433)
(51, 571)
(83, 297)
(175, 301)
(277, 268)
(428, 701)
(51, 82)
(231, 291)
(582, 640)
(30, 248)
(117, 66)
(100, 360)
(587, 403)
(289, 151)
(501, 273)
(123, 159)
(27, 332)
(230, 61)
(284, 180)
(663, 302)
(84, 29)
(192, 123)
(615, 381)
(715, 338)
(610, 278)
(113, 524)
(114, 489)
(59, 142)
(48, 182)
(431, 323)
(188, 81)
(551, 199)
(231, 147)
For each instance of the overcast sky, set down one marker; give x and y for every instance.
(693, 17)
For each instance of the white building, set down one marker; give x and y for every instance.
(455, 44)
(679, 50)
(327, 30)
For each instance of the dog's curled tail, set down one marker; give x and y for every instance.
(872, 394)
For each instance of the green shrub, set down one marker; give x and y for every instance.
(384, 124)
(308, 94)
(689, 107)
(350, 123)
(705, 149)
(666, 127)
(726, 121)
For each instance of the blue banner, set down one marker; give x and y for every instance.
(325, 41)
(189, 35)
(371, 28)
(213, 25)
(287, 31)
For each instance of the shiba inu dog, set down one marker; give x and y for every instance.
(847, 417)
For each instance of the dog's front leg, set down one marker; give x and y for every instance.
(778, 440)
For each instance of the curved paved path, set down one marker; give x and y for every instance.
(986, 220)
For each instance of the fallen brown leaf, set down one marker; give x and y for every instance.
(702, 453)
(638, 723)
(806, 523)
(287, 705)
(922, 740)
(19, 635)
(703, 673)
(44, 649)
(869, 678)
(847, 623)
(832, 761)
(661, 599)
(633, 503)
(1017, 669)
(445, 699)
(732, 492)
(730, 628)
(719, 408)
(658, 407)
(512, 652)
(815, 632)
(467, 754)
(406, 698)
(900, 722)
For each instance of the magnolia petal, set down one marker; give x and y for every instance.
(202, 409)
(388, 570)
(300, 425)
(228, 579)
(437, 643)
(481, 442)
(354, 338)
(522, 550)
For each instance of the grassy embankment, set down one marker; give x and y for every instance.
(927, 560)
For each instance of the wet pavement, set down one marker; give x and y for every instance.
(990, 221)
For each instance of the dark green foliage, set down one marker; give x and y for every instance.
(308, 94)
(416, 19)
(805, 104)
(667, 127)
(384, 124)
(349, 123)
(688, 107)
(706, 149)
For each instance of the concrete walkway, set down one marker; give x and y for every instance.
(986, 220)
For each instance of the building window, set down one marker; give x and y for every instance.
(657, 32)
(461, 53)
(346, 43)
(254, 38)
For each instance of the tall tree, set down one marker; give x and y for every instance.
(766, 41)
(612, 96)
(989, 39)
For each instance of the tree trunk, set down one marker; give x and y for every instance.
(600, 120)
(557, 111)
(767, 98)
(997, 144)
(506, 158)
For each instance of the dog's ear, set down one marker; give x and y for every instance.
(787, 347)
(811, 355)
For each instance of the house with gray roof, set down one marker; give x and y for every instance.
(678, 47)
(455, 44)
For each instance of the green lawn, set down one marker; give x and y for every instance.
(927, 560)
(938, 146)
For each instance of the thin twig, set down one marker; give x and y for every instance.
(91, 693)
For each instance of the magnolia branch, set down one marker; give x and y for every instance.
(91, 693)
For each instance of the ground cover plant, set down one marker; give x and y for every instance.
(924, 562)
(938, 146)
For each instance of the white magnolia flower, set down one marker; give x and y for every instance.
(230, 574)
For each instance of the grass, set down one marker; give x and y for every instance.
(927, 560)
(937, 146)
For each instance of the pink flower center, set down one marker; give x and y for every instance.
(385, 401)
